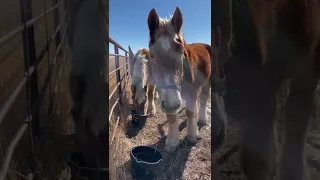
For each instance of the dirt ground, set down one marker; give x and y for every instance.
(187, 162)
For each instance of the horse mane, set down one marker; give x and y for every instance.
(139, 71)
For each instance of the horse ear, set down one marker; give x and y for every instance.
(177, 20)
(153, 21)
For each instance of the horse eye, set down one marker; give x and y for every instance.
(177, 40)
(178, 43)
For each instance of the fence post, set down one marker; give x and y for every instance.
(56, 22)
(116, 51)
(29, 52)
(130, 58)
(127, 67)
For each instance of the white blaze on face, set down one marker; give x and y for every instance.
(165, 43)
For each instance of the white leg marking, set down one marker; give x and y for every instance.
(192, 130)
(172, 140)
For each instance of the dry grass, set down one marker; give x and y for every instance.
(116, 152)
(179, 165)
(188, 162)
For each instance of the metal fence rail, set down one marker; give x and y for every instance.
(29, 80)
(118, 86)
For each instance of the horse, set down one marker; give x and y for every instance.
(143, 91)
(88, 87)
(180, 71)
(277, 43)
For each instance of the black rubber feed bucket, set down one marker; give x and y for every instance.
(146, 162)
(139, 120)
(79, 168)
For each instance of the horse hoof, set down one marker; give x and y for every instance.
(171, 146)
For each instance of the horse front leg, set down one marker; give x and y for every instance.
(172, 140)
(204, 96)
(151, 99)
(191, 111)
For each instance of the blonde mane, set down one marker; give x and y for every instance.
(140, 72)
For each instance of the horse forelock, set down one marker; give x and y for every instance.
(165, 28)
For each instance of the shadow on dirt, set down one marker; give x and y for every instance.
(132, 129)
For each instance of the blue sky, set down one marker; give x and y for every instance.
(128, 20)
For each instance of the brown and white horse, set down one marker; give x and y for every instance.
(276, 41)
(180, 71)
(143, 92)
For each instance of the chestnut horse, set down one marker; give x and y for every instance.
(180, 71)
(88, 86)
(276, 41)
(143, 92)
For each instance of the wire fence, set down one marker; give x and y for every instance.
(30, 78)
(119, 80)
